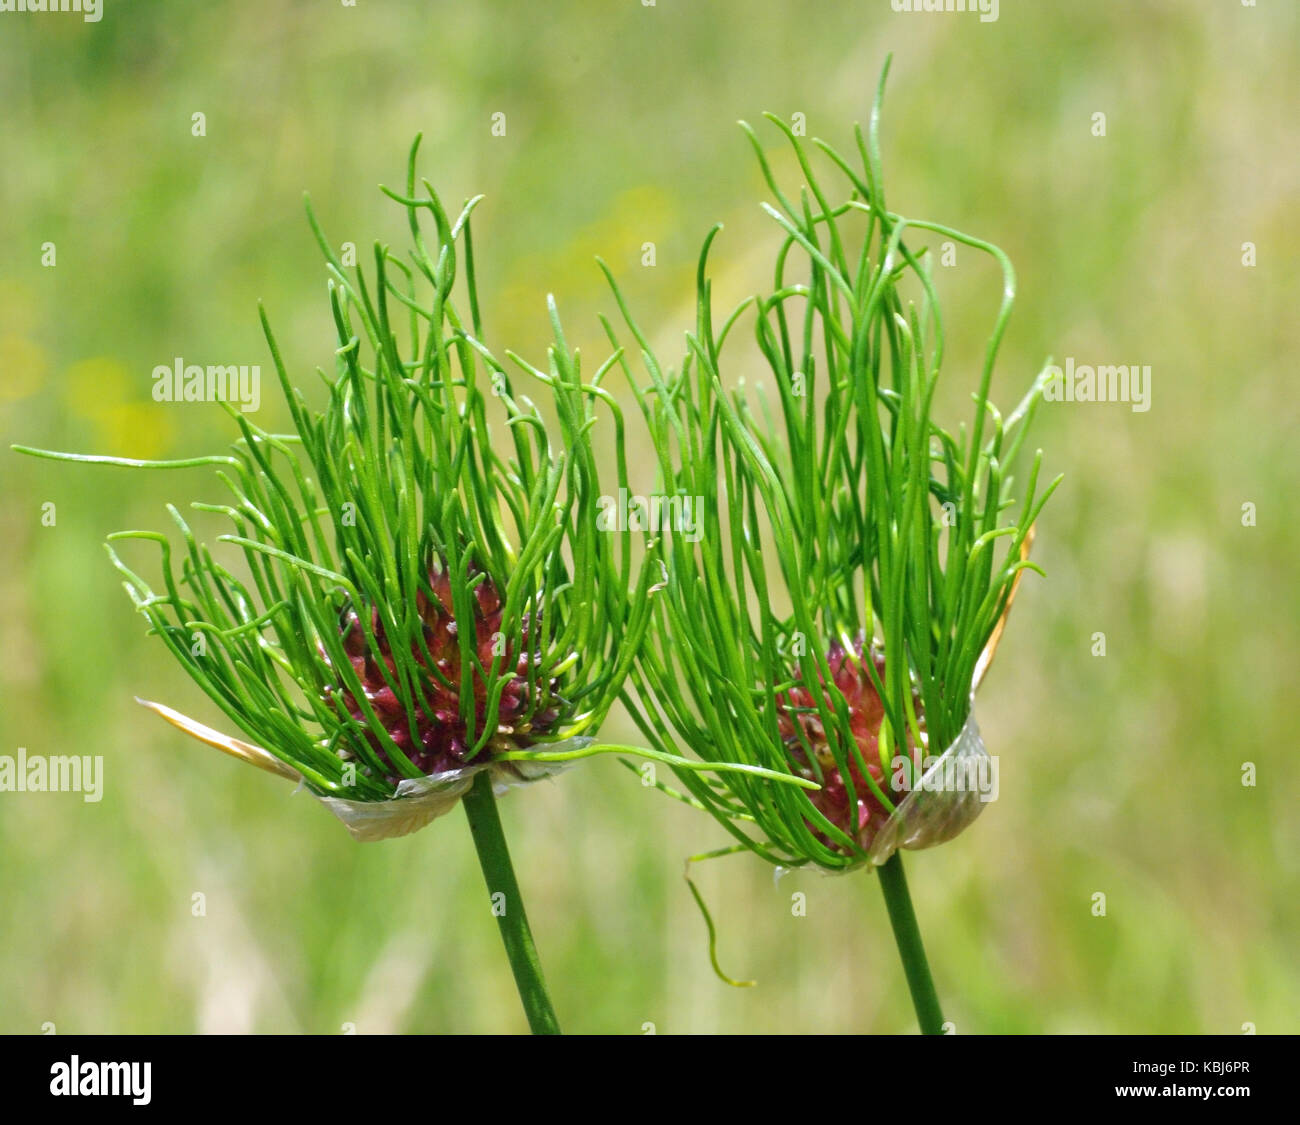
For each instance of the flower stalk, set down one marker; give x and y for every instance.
(907, 936)
(499, 874)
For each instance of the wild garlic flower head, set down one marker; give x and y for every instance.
(414, 588)
(857, 558)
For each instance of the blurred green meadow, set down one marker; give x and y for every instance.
(1121, 773)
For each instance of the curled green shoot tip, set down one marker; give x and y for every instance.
(708, 917)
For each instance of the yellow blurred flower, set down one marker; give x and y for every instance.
(127, 421)
(23, 366)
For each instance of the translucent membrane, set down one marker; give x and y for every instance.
(417, 801)
(954, 789)
(950, 794)
(422, 799)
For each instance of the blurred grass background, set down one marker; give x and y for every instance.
(1121, 774)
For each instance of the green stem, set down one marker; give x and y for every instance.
(499, 874)
(907, 935)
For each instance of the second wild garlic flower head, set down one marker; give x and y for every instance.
(413, 589)
(836, 617)
(846, 800)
